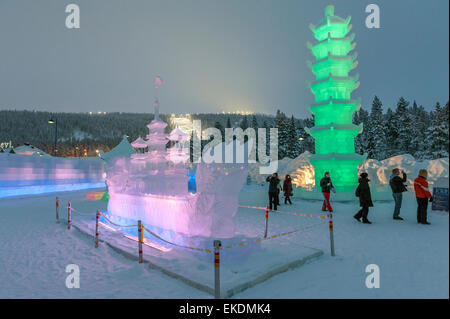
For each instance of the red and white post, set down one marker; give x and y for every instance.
(69, 215)
(267, 222)
(97, 216)
(57, 209)
(330, 224)
(217, 245)
(140, 241)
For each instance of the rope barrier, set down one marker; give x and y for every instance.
(168, 242)
(80, 213)
(275, 236)
(115, 223)
(259, 239)
(286, 213)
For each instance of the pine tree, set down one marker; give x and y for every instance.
(403, 123)
(244, 123)
(293, 147)
(420, 125)
(255, 123)
(228, 123)
(283, 140)
(376, 138)
(437, 134)
(361, 139)
(391, 132)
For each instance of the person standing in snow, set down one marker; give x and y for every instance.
(279, 189)
(327, 186)
(422, 196)
(273, 190)
(287, 187)
(397, 186)
(365, 199)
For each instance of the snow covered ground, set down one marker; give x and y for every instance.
(413, 259)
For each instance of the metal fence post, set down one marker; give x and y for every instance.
(330, 223)
(267, 222)
(69, 215)
(97, 216)
(57, 209)
(140, 240)
(217, 245)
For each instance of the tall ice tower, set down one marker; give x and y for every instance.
(334, 133)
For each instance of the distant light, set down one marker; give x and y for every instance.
(301, 139)
(51, 121)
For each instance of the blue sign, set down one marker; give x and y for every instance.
(440, 199)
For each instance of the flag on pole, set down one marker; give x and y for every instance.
(158, 81)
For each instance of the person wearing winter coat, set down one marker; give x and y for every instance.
(397, 186)
(365, 199)
(327, 186)
(279, 189)
(273, 190)
(287, 187)
(422, 196)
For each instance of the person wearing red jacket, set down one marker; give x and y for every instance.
(422, 196)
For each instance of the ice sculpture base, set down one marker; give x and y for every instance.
(236, 275)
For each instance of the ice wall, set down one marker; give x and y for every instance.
(27, 175)
(170, 208)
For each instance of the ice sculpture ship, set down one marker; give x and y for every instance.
(152, 186)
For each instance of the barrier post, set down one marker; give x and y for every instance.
(330, 223)
(97, 216)
(140, 240)
(267, 222)
(69, 215)
(57, 209)
(217, 245)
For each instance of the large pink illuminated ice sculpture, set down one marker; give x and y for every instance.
(152, 186)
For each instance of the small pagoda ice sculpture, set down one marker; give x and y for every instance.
(334, 133)
(152, 186)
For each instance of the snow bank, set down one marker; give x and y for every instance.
(380, 171)
(302, 172)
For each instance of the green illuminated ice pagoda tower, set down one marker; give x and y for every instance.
(333, 108)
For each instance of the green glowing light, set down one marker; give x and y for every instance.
(334, 133)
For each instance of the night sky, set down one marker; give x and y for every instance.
(213, 55)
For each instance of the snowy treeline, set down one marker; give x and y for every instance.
(405, 130)
(83, 132)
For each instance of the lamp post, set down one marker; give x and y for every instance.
(54, 121)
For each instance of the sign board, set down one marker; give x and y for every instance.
(440, 199)
(6, 144)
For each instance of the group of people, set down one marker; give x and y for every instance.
(398, 187)
(275, 188)
(396, 182)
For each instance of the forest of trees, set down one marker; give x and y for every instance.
(407, 129)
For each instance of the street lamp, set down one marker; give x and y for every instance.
(54, 121)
